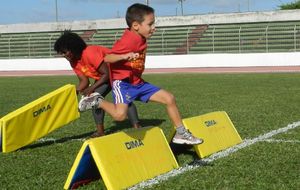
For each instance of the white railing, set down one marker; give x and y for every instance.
(216, 39)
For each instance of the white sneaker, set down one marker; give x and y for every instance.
(89, 102)
(186, 138)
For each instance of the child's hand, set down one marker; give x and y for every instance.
(131, 56)
(89, 90)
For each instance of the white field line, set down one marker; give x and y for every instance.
(83, 139)
(42, 140)
(213, 157)
(281, 141)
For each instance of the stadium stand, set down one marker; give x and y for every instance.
(249, 38)
(27, 45)
(185, 38)
(105, 37)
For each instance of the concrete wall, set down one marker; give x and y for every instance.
(169, 61)
(269, 16)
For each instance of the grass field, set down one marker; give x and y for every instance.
(256, 104)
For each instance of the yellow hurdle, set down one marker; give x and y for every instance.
(216, 129)
(122, 159)
(38, 118)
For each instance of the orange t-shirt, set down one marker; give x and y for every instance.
(91, 59)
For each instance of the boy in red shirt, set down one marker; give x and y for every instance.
(127, 62)
(87, 62)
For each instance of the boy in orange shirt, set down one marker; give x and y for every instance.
(88, 62)
(127, 62)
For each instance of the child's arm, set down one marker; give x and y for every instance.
(83, 83)
(104, 73)
(113, 58)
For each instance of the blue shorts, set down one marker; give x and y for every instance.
(124, 92)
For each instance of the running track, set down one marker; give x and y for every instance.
(278, 69)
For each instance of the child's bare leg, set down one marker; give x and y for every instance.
(100, 129)
(120, 112)
(117, 111)
(182, 136)
(164, 97)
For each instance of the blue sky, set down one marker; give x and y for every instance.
(33, 11)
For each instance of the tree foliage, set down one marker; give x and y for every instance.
(293, 5)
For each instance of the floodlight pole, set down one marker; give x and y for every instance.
(147, 2)
(181, 4)
(248, 5)
(56, 12)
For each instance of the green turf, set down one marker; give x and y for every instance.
(256, 104)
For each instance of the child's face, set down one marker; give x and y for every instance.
(68, 55)
(147, 27)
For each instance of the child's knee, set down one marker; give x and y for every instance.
(170, 98)
(120, 116)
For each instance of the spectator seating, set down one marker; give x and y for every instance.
(197, 39)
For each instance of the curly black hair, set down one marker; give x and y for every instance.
(70, 41)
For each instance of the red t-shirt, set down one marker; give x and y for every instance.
(129, 42)
(91, 59)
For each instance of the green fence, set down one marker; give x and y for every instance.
(198, 39)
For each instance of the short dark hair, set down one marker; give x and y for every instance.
(70, 41)
(136, 12)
